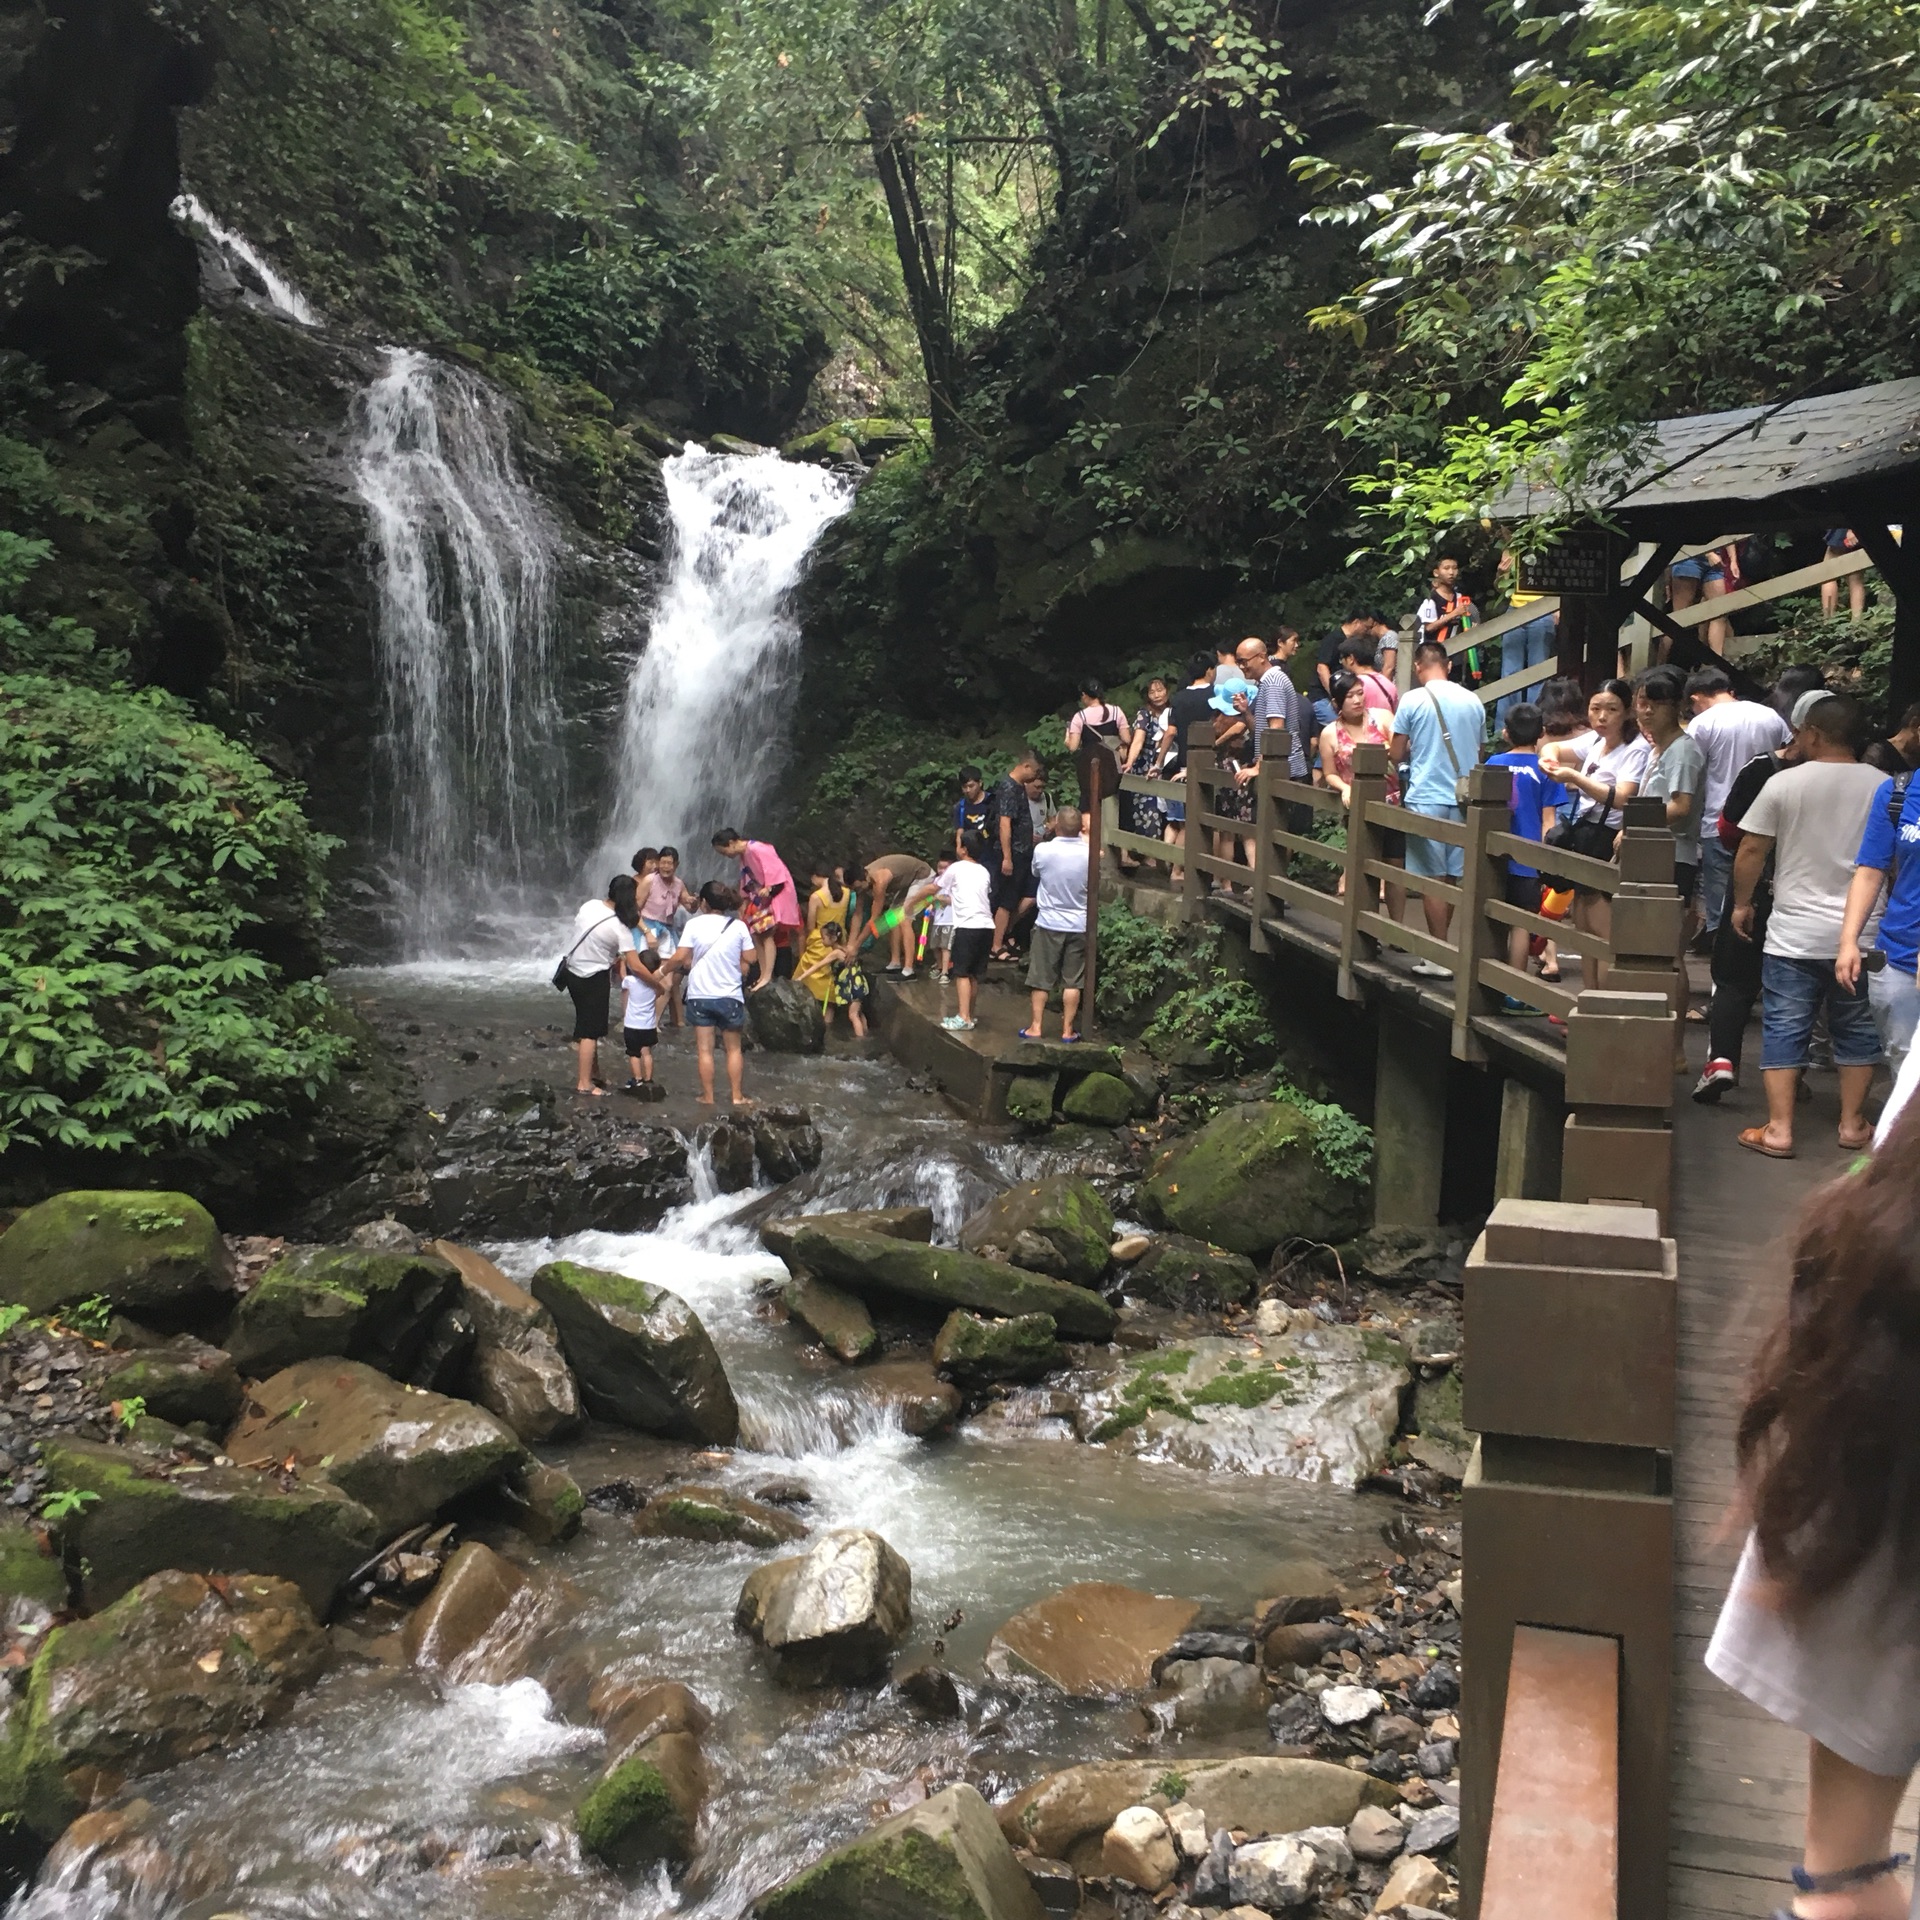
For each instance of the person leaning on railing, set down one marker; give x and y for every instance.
(1357, 724)
(1820, 1626)
(1606, 775)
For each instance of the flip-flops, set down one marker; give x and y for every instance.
(1754, 1139)
(1030, 1033)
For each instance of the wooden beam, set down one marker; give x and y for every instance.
(1553, 1846)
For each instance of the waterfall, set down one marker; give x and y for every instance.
(704, 728)
(472, 775)
(282, 295)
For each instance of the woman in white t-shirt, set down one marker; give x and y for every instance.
(716, 950)
(602, 933)
(967, 889)
(1608, 776)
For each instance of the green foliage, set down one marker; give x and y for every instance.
(10, 1317)
(1342, 1144)
(64, 1504)
(90, 1315)
(1689, 206)
(139, 851)
(1140, 959)
(1857, 655)
(1228, 1017)
(130, 1411)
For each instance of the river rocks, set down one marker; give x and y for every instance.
(1030, 1098)
(640, 1354)
(1318, 1405)
(511, 1165)
(154, 1512)
(183, 1381)
(1273, 1875)
(1250, 1179)
(362, 1304)
(944, 1858)
(1414, 1882)
(832, 1615)
(1374, 1834)
(785, 1018)
(897, 1223)
(475, 1590)
(1207, 1696)
(517, 1370)
(646, 1806)
(1099, 1100)
(1091, 1640)
(400, 1452)
(713, 1513)
(29, 1573)
(1174, 1270)
(977, 1352)
(947, 1276)
(544, 1502)
(1139, 1849)
(636, 1711)
(178, 1666)
(156, 1257)
(839, 1321)
(785, 1141)
(1058, 1226)
(727, 1144)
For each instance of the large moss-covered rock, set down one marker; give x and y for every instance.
(945, 1859)
(640, 1353)
(152, 1512)
(402, 1453)
(838, 1320)
(363, 1304)
(184, 1381)
(174, 1668)
(1030, 1098)
(832, 1615)
(715, 1513)
(897, 1223)
(1099, 1100)
(156, 1257)
(1058, 1226)
(1250, 1179)
(646, 1806)
(517, 1369)
(871, 1263)
(28, 1571)
(1177, 1271)
(977, 1352)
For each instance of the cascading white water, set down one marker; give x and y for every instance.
(284, 297)
(704, 729)
(473, 775)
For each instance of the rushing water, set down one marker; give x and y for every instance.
(389, 1795)
(705, 726)
(472, 793)
(282, 295)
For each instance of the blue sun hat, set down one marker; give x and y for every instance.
(1225, 692)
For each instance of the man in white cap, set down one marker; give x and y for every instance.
(1810, 818)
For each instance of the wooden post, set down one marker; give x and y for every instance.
(1482, 878)
(1193, 891)
(1364, 842)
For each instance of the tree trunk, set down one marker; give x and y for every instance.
(927, 295)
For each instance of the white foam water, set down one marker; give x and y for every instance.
(704, 730)
(282, 295)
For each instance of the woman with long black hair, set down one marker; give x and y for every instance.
(1822, 1627)
(602, 933)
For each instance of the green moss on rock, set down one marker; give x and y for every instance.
(1030, 1098)
(1099, 1100)
(157, 1257)
(1058, 1226)
(630, 1818)
(979, 1352)
(320, 1301)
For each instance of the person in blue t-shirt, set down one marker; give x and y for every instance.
(1536, 797)
(970, 810)
(1889, 856)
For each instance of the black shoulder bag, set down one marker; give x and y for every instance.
(560, 975)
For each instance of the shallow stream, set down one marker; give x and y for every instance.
(388, 1793)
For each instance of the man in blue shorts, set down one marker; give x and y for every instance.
(1439, 728)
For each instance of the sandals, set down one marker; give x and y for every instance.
(1754, 1139)
(1031, 1033)
(1841, 1880)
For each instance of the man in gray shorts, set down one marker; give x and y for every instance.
(1058, 955)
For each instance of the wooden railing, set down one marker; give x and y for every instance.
(1639, 953)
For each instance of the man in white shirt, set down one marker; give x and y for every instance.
(1729, 733)
(1058, 955)
(1810, 818)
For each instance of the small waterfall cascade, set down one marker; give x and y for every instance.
(471, 767)
(704, 729)
(282, 295)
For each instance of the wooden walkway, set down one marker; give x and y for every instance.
(1739, 1778)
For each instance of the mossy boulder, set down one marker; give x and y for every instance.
(153, 1512)
(945, 1859)
(1030, 1098)
(1058, 1226)
(401, 1452)
(640, 1354)
(28, 1571)
(870, 1263)
(1099, 1100)
(976, 1352)
(544, 1502)
(175, 1668)
(156, 1257)
(373, 1306)
(714, 1513)
(1177, 1271)
(516, 1369)
(1250, 1179)
(897, 1223)
(646, 1806)
(184, 1381)
(838, 1320)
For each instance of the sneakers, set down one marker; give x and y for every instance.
(906, 973)
(1717, 1077)
(954, 1024)
(1518, 1009)
(1431, 970)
